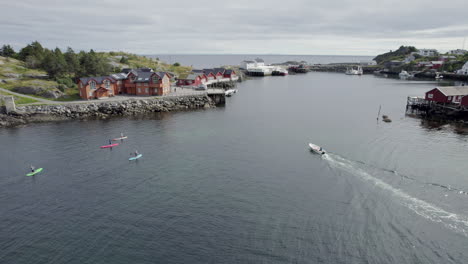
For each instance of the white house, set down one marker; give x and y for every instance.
(248, 64)
(458, 52)
(409, 59)
(260, 62)
(373, 62)
(427, 52)
(464, 69)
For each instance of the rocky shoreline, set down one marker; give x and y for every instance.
(45, 113)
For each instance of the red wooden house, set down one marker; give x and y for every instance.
(230, 74)
(119, 78)
(97, 87)
(191, 80)
(448, 94)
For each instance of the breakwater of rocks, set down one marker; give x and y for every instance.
(342, 67)
(102, 110)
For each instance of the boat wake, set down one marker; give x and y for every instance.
(455, 222)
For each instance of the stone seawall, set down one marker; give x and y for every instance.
(102, 109)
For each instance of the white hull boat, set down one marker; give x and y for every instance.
(317, 149)
(230, 92)
(352, 71)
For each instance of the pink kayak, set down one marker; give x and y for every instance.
(110, 146)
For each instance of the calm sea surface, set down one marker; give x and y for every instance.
(237, 184)
(207, 61)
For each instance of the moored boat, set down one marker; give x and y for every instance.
(230, 92)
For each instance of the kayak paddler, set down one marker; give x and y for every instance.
(33, 169)
(110, 142)
(136, 153)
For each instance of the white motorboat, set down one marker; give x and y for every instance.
(404, 75)
(317, 149)
(352, 71)
(438, 76)
(230, 92)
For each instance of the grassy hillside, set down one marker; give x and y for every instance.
(136, 61)
(15, 73)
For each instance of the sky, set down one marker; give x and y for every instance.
(299, 27)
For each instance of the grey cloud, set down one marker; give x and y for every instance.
(297, 26)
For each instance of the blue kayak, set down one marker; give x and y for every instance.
(137, 157)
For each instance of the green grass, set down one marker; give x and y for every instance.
(18, 99)
(10, 65)
(70, 95)
(136, 61)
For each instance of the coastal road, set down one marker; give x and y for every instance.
(42, 101)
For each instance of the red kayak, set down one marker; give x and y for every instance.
(110, 146)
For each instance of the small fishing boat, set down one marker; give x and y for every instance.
(404, 75)
(119, 138)
(317, 149)
(136, 157)
(34, 172)
(110, 146)
(230, 92)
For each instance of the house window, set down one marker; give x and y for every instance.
(90, 94)
(107, 84)
(133, 78)
(430, 96)
(145, 84)
(139, 90)
(92, 84)
(155, 79)
(450, 98)
(146, 90)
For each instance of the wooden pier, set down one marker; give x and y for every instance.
(426, 108)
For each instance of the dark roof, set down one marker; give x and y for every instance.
(126, 70)
(221, 70)
(144, 69)
(259, 60)
(98, 79)
(229, 71)
(249, 61)
(198, 71)
(119, 76)
(191, 77)
(161, 74)
(143, 77)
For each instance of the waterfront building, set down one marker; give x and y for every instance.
(142, 82)
(436, 64)
(120, 78)
(97, 87)
(193, 80)
(447, 94)
(247, 64)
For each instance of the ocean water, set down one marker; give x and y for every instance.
(209, 61)
(237, 184)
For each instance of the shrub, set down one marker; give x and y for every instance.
(66, 82)
(176, 64)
